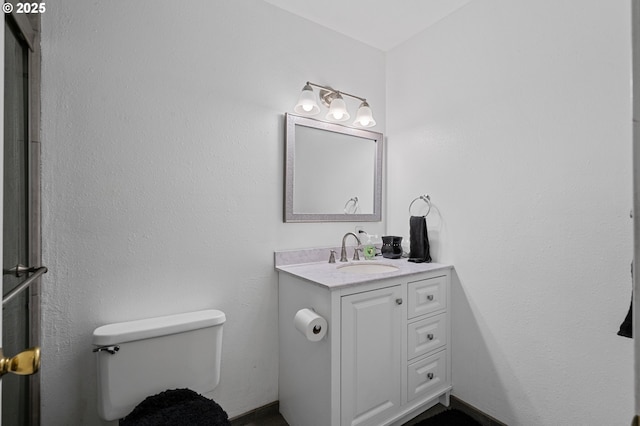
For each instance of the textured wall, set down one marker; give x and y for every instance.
(163, 149)
(163, 158)
(515, 117)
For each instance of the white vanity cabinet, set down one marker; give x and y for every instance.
(385, 357)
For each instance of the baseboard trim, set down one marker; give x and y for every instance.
(482, 418)
(257, 414)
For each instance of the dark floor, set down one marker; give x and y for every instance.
(271, 417)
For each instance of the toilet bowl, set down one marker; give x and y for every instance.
(167, 361)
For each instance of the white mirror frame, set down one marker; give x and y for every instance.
(291, 121)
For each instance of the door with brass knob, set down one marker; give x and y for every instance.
(20, 322)
(635, 23)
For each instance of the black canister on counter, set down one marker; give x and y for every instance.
(391, 247)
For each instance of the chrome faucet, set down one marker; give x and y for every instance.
(343, 253)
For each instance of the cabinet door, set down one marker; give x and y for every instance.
(371, 352)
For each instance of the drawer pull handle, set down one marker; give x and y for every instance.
(429, 336)
(430, 376)
(430, 297)
(399, 301)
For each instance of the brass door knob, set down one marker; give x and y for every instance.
(25, 363)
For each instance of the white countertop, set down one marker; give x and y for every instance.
(329, 275)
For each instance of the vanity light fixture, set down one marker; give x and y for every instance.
(333, 100)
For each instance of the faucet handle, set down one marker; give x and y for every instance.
(332, 256)
(356, 255)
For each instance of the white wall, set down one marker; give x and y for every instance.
(163, 159)
(515, 117)
(163, 149)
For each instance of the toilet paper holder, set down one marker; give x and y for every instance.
(310, 324)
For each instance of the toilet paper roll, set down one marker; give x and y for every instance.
(311, 325)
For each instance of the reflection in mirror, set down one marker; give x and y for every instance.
(333, 173)
(348, 174)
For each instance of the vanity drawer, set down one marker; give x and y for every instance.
(426, 296)
(426, 335)
(427, 375)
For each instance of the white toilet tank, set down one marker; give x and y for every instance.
(137, 359)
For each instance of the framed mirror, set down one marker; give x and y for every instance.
(333, 173)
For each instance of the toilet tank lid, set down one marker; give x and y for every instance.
(112, 334)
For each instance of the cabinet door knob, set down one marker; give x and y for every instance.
(430, 376)
(399, 301)
(430, 336)
(430, 297)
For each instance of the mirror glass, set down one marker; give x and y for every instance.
(333, 173)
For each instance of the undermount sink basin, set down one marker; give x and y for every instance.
(367, 268)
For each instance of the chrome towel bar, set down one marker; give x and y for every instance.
(37, 272)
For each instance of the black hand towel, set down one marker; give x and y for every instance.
(626, 328)
(418, 240)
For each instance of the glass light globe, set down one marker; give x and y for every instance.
(307, 104)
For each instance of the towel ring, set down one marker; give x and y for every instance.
(426, 199)
(353, 200)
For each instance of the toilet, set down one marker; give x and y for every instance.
(151, 357)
